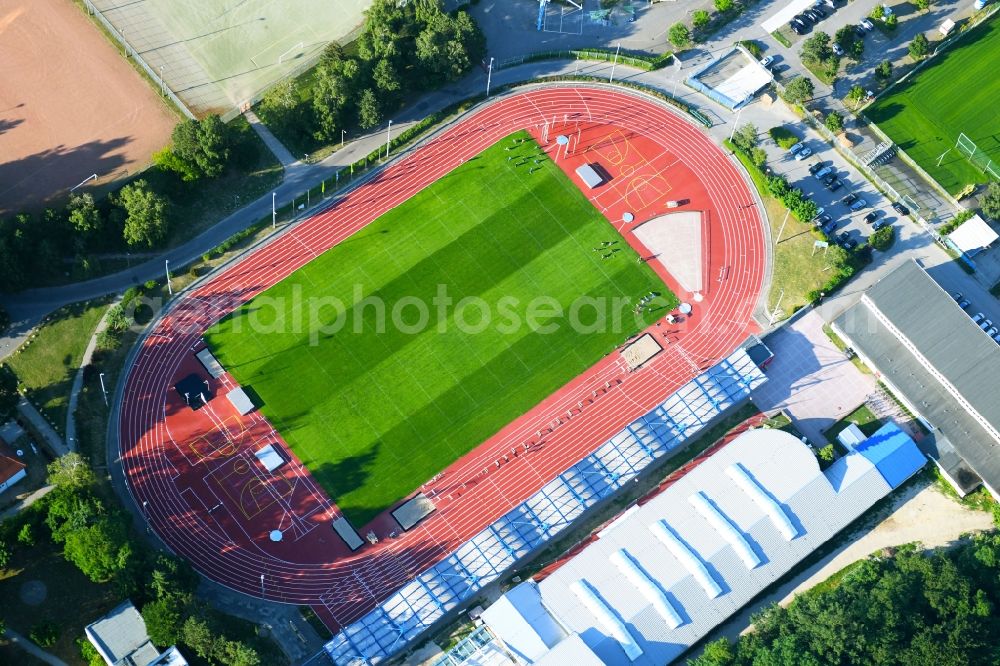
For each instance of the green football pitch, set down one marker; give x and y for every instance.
(956, 94)
(374, 414)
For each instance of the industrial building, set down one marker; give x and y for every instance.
(939, 364)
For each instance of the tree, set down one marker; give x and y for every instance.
(9, 397)
(84, 216)
(99, 550)
(4, 554)
(922, 5)
(336, 83)
(163, 621)
(745, 137)
(26, 535)
(882, 238)
(700, 18)
(883, 70)
(856, 95)
(200, 148)
(817, 48)
(799, 90)
(196, 634)
(234, 653)
(834, 122)
(369, 115)
(717, 653)
(990, 201)
(759, 157)
(679, 35)
(919, 47)
(145, 214)
(723, 6)
(385, 76)
(71, 472)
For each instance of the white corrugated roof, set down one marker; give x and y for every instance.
(973, 235)
(694, 575)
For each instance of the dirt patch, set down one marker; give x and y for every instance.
(70, 106)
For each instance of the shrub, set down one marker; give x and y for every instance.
(883, 70)
(883, 238)
(783, 136)
(799, 90)
(723, 6)
(825, 455)
(44, 634)
(679, 35)
(919, 47)
(700, 19)
(834, 122)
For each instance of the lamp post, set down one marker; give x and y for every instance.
(735, 124)
(166, 268)
(489, 76)
(343, 132)
(103, 391)
(388, 137)
(615, 63)
(274, 210)
(262, 586)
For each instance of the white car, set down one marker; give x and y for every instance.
(804, 153)
(978, 317)
(837, 50)
(867, 24)
(766, 60)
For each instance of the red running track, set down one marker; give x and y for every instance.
(180, 465)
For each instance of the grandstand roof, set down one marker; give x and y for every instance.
(722, 533)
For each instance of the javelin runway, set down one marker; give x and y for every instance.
(171, 462)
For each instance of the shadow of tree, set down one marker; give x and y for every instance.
(34, 181)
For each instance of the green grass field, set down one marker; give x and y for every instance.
(958, 93)
(375, 414)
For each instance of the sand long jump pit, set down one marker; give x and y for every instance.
(70, 106)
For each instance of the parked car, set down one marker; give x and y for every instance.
(992, 331)
(859, 204)
(997, 338)
(804, 153)
(871, 217)
(867, 24)
(829, 227)
(846, 242)
(900, 208)
(796, 147)
(985, 324)
(814, 167)
(879, 224)
(859, 31)
(837, 50)
(822, 220)
(957, 295)
(823, 172)
(819, 211)
(816, 15)
(963, 304)
(766, 60)
(804, 19)
(849, 199)
(834, 185)
(797, 27)
(978, 317)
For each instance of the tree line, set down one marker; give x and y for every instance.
(35, 248)
(906, 607)
(403, 48)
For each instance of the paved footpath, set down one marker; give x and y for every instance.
(38, 653)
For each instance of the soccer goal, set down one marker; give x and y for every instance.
(979, 159)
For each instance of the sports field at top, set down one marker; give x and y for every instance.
(442, 321)
(956, 94)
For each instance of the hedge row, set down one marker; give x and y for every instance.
(638, 60)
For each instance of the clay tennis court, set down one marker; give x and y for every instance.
(70, 106)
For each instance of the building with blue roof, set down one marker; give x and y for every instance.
(894, 454)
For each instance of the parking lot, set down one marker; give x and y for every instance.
(796, 171)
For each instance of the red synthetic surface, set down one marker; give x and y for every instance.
(212, 503)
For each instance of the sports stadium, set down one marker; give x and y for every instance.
(386, 406)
